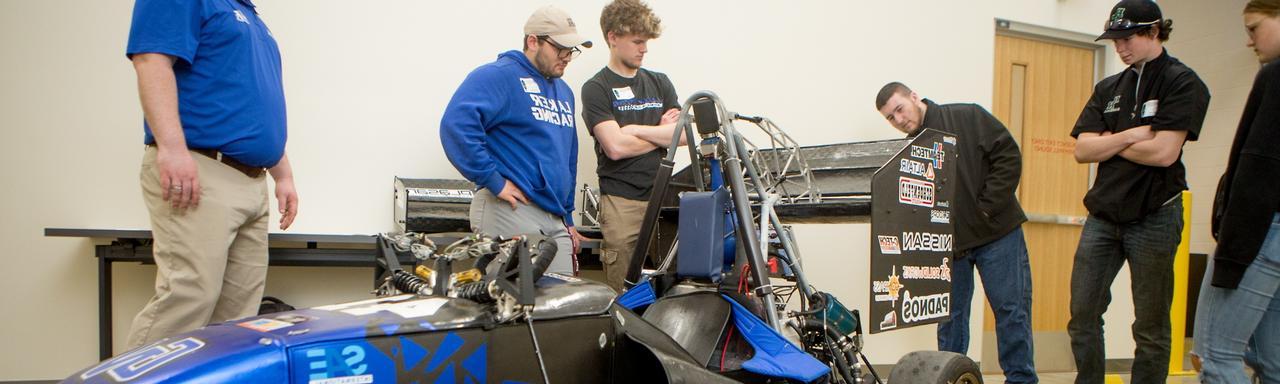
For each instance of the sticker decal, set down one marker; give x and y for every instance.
(934, 154)
(889, 245)
(916, 168)
(439, 193)
(137, 363)
(335, 362)
(361, 379)
(920, 308)
(890, 320)
(887, 290)
(562, 277)
(529, 85)
(925, 241)
(406, 309)
(623, 93)
(915, 192)
(265, 325)
(939, 216)
(363, 303)
(942, 272)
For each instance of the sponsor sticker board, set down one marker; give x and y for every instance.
(912, 236)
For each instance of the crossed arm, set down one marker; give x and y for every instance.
(1140, 145)
(633, 140)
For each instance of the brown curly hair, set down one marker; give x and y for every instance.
(1266, 7)
(624, 17)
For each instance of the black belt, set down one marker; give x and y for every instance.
(247, 170)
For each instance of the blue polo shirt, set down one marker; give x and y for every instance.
(230, 93)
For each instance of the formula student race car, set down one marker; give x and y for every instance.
(496, 329)
(480, 309)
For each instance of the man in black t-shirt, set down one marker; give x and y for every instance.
(631, 112)
(1134, 127)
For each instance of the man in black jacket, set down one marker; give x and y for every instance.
(988, 222)
(1134, 127)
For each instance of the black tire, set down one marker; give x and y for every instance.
(935, 367)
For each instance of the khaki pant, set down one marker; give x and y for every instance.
(620, 220)
(211, 260)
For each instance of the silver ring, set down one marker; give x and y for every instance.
(176, 187)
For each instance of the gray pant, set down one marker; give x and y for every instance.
(490, 215)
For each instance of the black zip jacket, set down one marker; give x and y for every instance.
(1248, 194)
(984, 207)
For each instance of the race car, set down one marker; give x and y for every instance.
(481, 310)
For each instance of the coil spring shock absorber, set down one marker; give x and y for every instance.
(477, 291)
(407, 282)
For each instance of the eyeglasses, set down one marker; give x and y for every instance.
(1124, 24)
(562, 51)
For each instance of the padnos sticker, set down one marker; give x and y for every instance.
(915, 192)
(925, 241)
(921, 308)
(889, 245)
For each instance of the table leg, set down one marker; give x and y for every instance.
(104, 302)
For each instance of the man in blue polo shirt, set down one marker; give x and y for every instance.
(209, 80)
(510, 129)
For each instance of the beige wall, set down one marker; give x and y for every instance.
(366, 82)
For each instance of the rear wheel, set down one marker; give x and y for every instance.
(935, 367)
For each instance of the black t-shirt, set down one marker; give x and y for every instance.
(638, 100)
(1172, 97)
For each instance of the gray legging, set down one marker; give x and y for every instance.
(493, 216)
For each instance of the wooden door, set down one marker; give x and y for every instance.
(1040, 88)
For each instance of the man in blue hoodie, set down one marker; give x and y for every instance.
(510, 128)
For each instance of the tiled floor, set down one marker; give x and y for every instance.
(1070, 377)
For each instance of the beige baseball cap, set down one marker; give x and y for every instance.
(553, 22)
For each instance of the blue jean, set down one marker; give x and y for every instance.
(1229, 319)
(1006, 278)
(1148, 245)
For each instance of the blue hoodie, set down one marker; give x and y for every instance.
(507, 122)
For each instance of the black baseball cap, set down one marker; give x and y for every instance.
(1129, 17)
